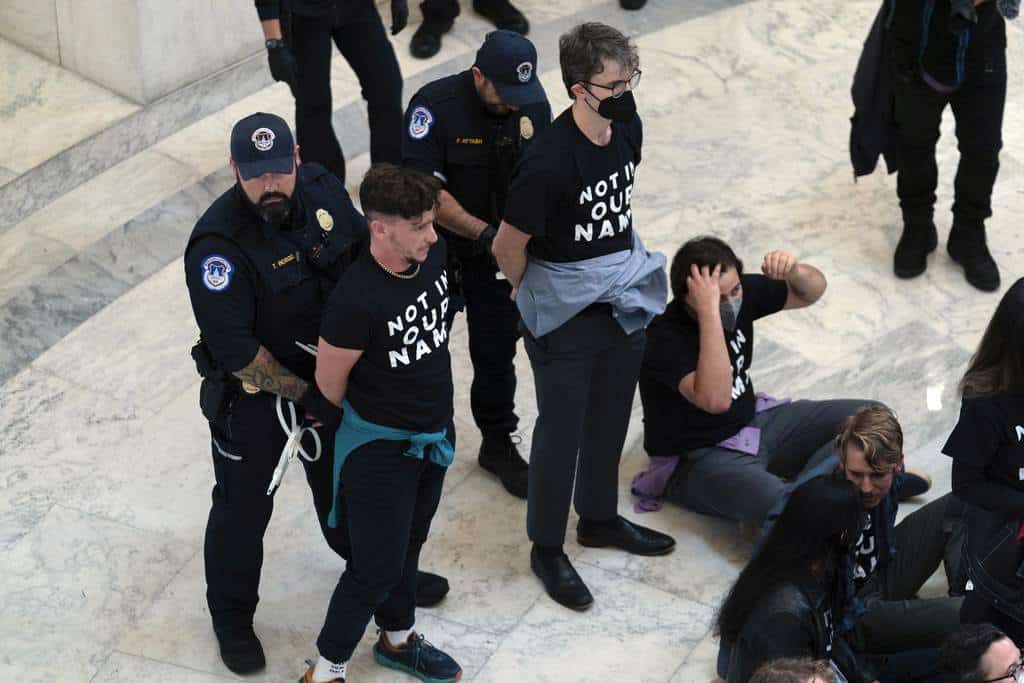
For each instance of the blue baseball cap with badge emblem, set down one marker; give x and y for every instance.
(509, 61)
(262, 143)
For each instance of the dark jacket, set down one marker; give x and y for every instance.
(873, 131)
(791, 621)
(273, 9)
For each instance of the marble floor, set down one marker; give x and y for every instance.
(104, 466)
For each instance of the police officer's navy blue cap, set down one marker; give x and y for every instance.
(262, 143)
(510, 62)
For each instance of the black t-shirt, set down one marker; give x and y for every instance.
(404, 377)
(673, 425)
(990, 435)
(574, 197)
(865, 553)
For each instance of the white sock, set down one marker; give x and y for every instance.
(326, 670)
(398, 638)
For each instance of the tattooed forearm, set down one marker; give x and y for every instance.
(266, 373)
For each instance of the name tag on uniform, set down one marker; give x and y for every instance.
(469, 141)
(290, 258)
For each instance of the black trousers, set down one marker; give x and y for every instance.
(246, 445)
(493, 324)
(356, 28)
(978, 109)
(447, 10)
(585, 374)
(390, 500)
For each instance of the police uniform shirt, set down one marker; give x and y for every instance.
(252, 283)
(990, 435)
(574, 197)
(404, 377)
(450, 134)
(673, 425)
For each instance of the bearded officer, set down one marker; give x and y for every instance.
(468, 130)
(259, 266)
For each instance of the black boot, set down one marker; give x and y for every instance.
(917, 241)
(502, 14)
(240, 648)
(967, 247)
(632, 4)
(499, 456)
(426, 41)
(430, 589)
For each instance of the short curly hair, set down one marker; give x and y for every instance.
(582, 52)
(390, 190)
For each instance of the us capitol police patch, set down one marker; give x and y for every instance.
(217, 272)
(420, 122)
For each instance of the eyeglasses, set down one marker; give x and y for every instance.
(619, 88)
(1013, 674)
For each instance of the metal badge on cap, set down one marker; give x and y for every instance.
(263, 139)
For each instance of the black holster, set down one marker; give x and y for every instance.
(218, 388)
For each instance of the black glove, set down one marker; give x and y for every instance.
(485, 241)
(317, 405)
(282, 64)
(399, 15)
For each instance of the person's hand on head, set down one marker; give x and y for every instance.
(778, 264)
(703, 291)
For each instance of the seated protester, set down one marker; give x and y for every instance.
(786, 600)
(716, 447)
(987, 447)
(383, 357)
(891, 562)
(980, 653)
(795, 670)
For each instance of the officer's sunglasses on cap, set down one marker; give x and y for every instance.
(619, 88)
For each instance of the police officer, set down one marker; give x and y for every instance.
(468, 130)
(259, 266)
(298, 39)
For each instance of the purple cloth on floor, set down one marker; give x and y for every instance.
(649, 486)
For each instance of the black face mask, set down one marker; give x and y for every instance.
(621, 109)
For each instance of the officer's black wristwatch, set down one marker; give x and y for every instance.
(274, 43)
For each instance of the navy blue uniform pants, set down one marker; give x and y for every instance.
(585, 374)
(978, 110)
(390, 500)
(356, 28)
(493, 324)
(447, 10)
(246, 445)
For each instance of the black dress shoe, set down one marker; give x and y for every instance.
(430, 589)
(503, 15)
(240, 649)
(560, 580)
(621, 533)
(913, 484)
(499, 456)
(967, 246)
(917, 241)
(426, 41)
(632, 4)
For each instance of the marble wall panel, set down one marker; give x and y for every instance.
(33, 25)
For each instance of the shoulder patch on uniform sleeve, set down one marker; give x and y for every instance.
(217, 272)
(420, 122)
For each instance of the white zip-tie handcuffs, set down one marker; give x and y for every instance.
(294, 432)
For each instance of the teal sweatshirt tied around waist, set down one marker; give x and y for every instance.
(355, 432)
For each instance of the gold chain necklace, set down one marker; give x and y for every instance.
(400, 276)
